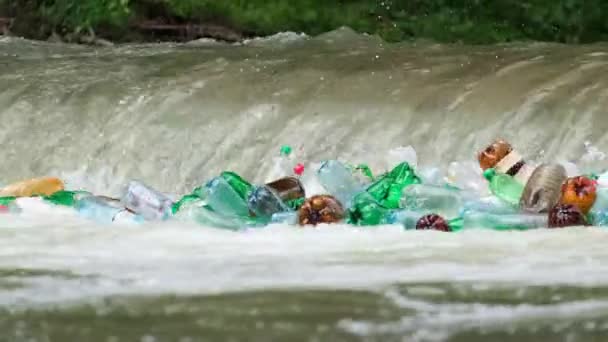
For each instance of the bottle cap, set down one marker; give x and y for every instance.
(566, 215)
(298, 169)
(493, 154)
(579, 191)
(286, 150)
(320, 209)
(432, 222)
(489, 174)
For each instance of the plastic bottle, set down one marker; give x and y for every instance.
(598, 215)
(288, 189)
(543, 189)
(43, 186)
(338, 180)
(485, 220)
(283, 164)
(504, 187)
(264, 202)
(500, 156)
(366, 211)
(147, 202)
(388, 188)
(197, 211)
(467, 176)
(289, 218)
(222, 198)
(8, 205)
(237, 183)
(104, 210)
(444, 201)
(489, 204)
(65, 197)
(404, 217)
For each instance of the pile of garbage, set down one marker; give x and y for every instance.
(512, 195)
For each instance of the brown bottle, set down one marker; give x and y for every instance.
(320, 209)
(287, 188)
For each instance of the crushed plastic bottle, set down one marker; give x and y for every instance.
(366, 211)
(387, 190)
(147, 202)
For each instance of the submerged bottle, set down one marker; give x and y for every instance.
(147, 202)
(504, 187)
(404, 217)
(198, 211)
(105, 210)
(288, 217)
(485, 220)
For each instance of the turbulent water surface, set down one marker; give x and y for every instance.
(175, 115)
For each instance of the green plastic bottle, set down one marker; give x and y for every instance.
(7, 200)
(238, 184)
(388, 188)
(372, 206)
(365, 211)
(504, 187)
(65, 197)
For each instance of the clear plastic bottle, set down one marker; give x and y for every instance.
(444, 201)
(264, 202)
(104, 210)
(339, 182)
(147, 202)
(485, 220)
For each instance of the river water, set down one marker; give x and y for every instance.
(175, 115)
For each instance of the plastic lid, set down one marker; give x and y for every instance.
(489, 174)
